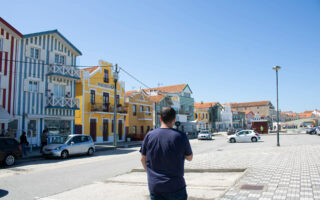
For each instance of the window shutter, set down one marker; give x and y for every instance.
(41, 87)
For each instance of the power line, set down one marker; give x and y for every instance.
(78, 66)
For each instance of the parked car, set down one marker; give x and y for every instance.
(311, 130)
(244, 136)
(204, 135)
(10, 150)
(71, 145)
(318, 130)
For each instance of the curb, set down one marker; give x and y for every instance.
(222, 170)
(40, 157)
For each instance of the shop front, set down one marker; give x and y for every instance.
(58, 128)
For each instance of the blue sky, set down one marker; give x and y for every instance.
(224, 50)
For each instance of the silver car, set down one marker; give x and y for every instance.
(70, 145)
(204, 135)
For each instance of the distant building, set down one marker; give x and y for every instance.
(140, 109)
(181, 101)
(238, 119)
(249, 118)
(226, 116)
(201, 115)
(257, 107)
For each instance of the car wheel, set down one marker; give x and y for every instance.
(9, 160)
(232, 140)
(254, 139)
(64, 154)
(90, 151)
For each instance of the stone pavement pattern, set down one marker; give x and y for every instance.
(290, 172)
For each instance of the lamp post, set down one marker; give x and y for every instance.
(277, 68)
(115, 79)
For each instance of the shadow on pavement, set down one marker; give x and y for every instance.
(44, 160)
(3, 193)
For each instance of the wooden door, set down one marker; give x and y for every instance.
(120, 129)
(105, 130)
(93, 127)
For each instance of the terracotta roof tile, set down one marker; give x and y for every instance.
(156, 98)
(250, 104)
(90, 69)
(169, 89)
(205, 105)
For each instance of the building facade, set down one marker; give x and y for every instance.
(202, 115)
(140, 108)
(95, 117)
(226, 117)
(238, 119)
(182, 101)
(10, 53)
(45, 87)
(263, 108)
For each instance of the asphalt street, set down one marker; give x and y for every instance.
(43, 178)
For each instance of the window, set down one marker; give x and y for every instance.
(59, 90)
(40, 40)
(31, 40)
(56, 58)
(36, 53)
(141, 130)
(31, 52)
(30, 86)
(148, 110)
(33, 86)
(134, 130)
(59, 59)
(134, 110)
(105, 98)
(141, 108)
(35, 40)
(92, 97)
(62, 60)
(106, 76)
(196, 115)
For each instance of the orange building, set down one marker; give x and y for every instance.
(140, 109)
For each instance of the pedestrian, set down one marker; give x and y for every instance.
(24, 143)
(163, 152)
(44, 139)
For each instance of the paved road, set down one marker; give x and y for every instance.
(33, 180)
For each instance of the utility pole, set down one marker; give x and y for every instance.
(277, 68)
(115, 79)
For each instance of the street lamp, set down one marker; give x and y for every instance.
(277, 68)
(115, 79)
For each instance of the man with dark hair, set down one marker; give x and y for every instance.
(163, 152)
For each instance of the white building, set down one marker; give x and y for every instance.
(226, 117)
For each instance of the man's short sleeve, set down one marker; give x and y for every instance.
(143, 149)
(188, 150)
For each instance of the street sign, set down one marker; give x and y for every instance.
(177, 123)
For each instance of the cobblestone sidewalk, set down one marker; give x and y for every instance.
(291, 172)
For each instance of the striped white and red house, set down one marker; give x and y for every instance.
(10, 51)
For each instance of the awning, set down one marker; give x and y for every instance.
(4, 116)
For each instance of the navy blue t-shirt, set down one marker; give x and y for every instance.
(165, 150)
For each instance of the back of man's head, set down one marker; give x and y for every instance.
(167, 115)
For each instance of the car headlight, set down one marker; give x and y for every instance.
(58, 148)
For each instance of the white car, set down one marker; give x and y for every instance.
(244, 136)
(204, 135)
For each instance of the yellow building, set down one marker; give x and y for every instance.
(96, 93)
(140, 108)
(201, 114)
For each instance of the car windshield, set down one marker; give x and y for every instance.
(60, 140)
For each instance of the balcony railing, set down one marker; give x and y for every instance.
(106, 108)
(62, 102)
(144, 115)
(64, 70)
(183, 112)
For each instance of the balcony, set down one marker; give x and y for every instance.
(62, 102)
(100, 107)
(64, 70)
(144, 115)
